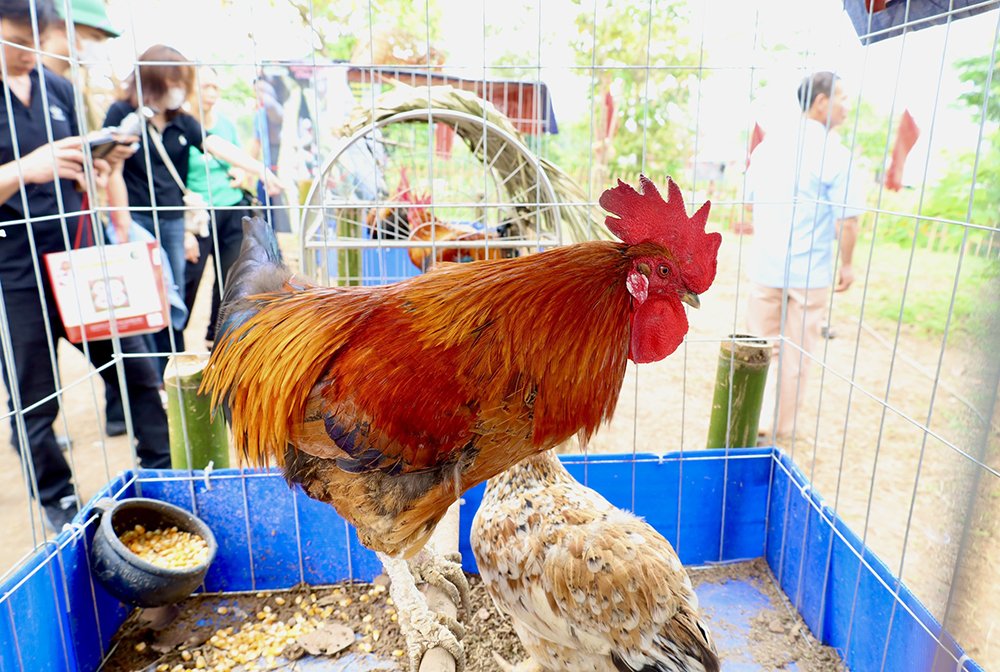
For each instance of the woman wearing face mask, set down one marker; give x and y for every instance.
(154, 197)
(217, 183)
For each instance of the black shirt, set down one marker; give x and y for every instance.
(180, 133)
(16, 266)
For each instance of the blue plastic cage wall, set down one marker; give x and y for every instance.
(736, 505)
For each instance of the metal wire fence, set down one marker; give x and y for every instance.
(896, 429)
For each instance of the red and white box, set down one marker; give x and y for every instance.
(89, 282)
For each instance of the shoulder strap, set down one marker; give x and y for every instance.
(83, 225)
(154, 135)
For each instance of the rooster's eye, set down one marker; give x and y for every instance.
(663, 270)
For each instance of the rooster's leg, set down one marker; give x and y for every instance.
(528, 665)
(422, 628)
(444, 573)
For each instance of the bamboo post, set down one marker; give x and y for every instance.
(736, 417)
(207, 440)
(348, 260)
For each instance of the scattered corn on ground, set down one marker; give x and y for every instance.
(170, 548)
(267, 630)
(267, 637)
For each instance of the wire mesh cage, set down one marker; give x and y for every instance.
(872, 501)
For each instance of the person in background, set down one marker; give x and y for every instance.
(154, 199)
(41, 194)
(215, 180)
(805, 193)
(267, 124)
(91, 29)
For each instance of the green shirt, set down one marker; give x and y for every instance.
(215, 189)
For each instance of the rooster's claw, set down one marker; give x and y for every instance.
(429, 630)
(444, 572)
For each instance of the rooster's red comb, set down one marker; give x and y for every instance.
(644, 217)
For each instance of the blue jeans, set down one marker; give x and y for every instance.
(172, 241)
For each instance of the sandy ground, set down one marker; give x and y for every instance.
(901, 489)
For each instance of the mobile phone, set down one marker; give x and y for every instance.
(102, 145)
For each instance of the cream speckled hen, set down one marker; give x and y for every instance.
(588, 586)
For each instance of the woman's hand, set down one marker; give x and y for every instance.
(122, 223)
(238, 178)
(272, 184)
(63, 158)
(192, 251)
(122, 152)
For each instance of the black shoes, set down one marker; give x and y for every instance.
(61, 512)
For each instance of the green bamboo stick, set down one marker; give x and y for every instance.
(348, 260)
(207, 437)
(735, 418)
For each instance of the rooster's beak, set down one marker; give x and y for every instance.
(691, 299)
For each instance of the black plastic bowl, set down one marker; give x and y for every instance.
(130, 578)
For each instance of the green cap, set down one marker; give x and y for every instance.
(89, 13)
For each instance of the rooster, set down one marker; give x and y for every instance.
(389, 402)
(587, 585)
(410, 218)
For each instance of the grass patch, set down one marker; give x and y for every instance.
(928, 293)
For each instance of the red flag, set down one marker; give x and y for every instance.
(610, 120)
(756, 137)
(906, 137)
(444, 138)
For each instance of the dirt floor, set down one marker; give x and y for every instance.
(779, 639)
(357, 624)
(869, 463)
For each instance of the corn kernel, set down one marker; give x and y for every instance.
(397, 653)
(140, 647)
(222, 610)
(169, 548)
(186, 655)
(280, 601)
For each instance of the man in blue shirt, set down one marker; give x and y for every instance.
(805, 192)
(41, 167)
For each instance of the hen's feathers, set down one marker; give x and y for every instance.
(588, 586)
